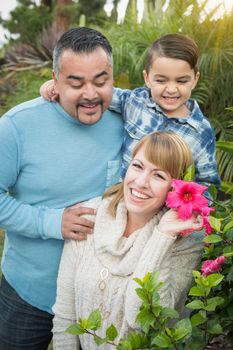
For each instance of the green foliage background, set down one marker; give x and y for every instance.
(130, 41)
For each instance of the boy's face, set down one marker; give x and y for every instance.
(171, 82)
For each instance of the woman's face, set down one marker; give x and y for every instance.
(145, 188)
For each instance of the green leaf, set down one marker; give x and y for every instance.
(155, 298)
(214, 327)
(199, 291)
(212, 239)
(98, 340)
(228, 226)
(182, 329)
(138, 281)
(228, 255)
(190, 173)
(146, 278)
(228, 248)
(169, 331)
(84, 323)
(142, 294)
(138, 340)
(169, 313)
(226, 146)
(75, 329)
(157, 309)
(229, 234)
(150, 284)
(111, 332)
(94, 320)
(226, 187)
(196, 274)
(196, 305)
(197, 343)
(145, 319)
(198, 318)
(180, 333)
(162, 341)
(213, 191)
(124, 345)
(213, 303)
(214, 279)
(215, 223)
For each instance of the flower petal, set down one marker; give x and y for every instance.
(185, 211)
(173, 200)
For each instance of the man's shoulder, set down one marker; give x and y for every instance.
(112, 116)
(27, 106)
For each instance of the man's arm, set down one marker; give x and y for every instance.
(24, 219)
(119, 99)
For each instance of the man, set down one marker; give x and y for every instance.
(48, 164)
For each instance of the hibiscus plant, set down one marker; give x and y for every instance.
(210, 300)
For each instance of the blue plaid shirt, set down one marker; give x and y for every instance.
(143, 116)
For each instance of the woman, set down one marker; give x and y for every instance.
(134, 234)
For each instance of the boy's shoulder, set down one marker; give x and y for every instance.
(142, 91)
(197, 118)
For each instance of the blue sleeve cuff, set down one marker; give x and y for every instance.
(52, 224)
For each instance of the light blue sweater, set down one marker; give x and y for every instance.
(48, 161)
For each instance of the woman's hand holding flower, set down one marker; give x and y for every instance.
(172, 225)
(189, 200)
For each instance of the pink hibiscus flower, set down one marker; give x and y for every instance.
(210, 266)
(205, 213)
(187, 197)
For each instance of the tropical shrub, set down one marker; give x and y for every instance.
(27, 21)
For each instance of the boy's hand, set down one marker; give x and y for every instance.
(47, 91)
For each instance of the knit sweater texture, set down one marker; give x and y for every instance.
(98, 274)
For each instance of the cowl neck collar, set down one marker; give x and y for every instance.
(119, 254)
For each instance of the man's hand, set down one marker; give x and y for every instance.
(74, 226)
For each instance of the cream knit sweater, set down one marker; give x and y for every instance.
(99, 272)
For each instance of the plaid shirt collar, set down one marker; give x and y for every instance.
(191, 104)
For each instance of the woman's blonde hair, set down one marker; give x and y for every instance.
(166, 150)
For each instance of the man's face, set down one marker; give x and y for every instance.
(84, 84)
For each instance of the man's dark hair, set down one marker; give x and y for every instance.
(80, 40)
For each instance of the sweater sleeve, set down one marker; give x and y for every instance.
(23, 219)
(174, 259)
(185, 257)
(64, 308)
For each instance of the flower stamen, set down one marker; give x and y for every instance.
(187, 197)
